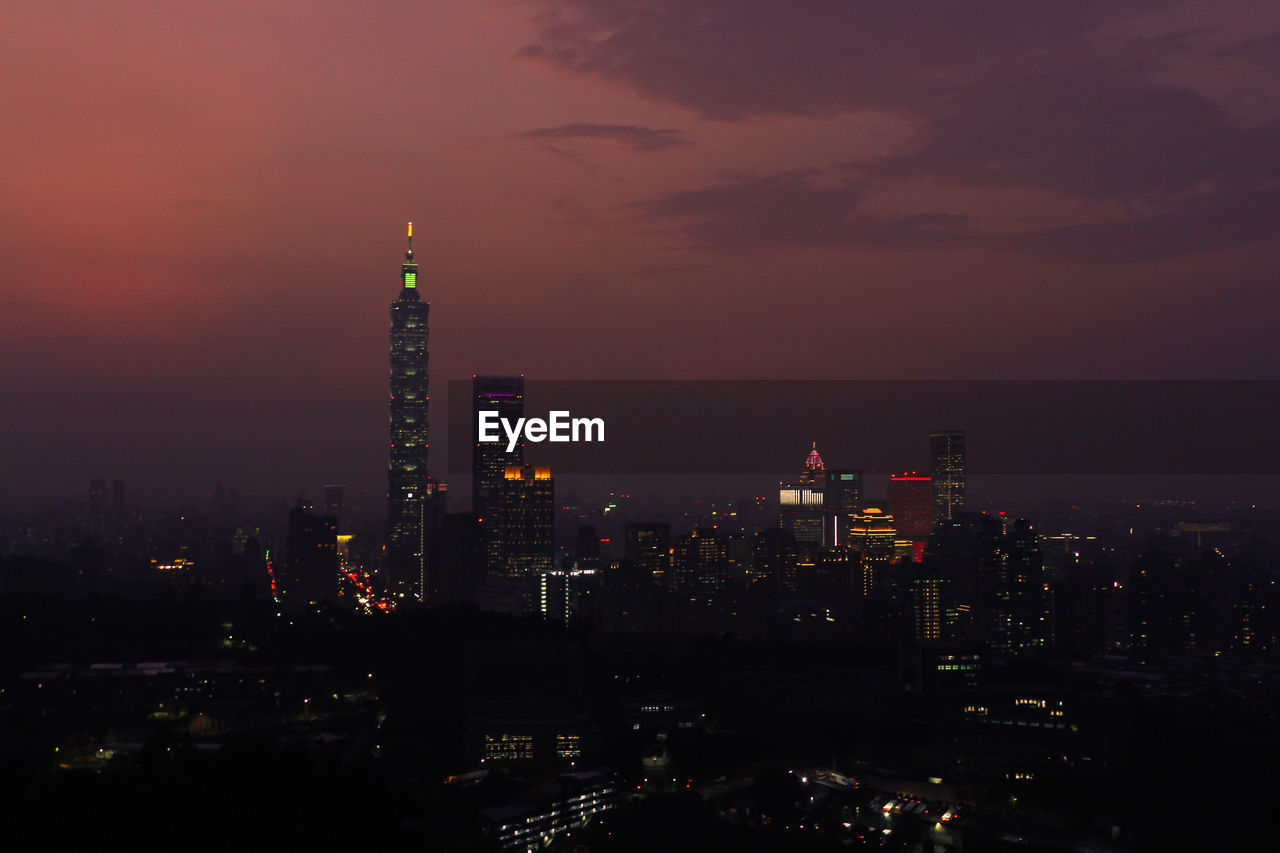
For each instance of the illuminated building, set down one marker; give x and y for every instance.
(947, 467)
(407, 478)
(578, 799)
(931, 665)
(648, 547)
(775, 560)
(489, 460)
(555, 601)
(872, 535)
(697, 561)
(927, 594)
(526, 547)
(800, 504)
(1026, 590)
(911, 504)
(842, 499)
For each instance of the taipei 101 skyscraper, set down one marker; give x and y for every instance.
(409, 488)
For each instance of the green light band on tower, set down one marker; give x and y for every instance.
(411, 279)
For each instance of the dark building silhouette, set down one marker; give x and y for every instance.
(648, 548)
(997, 581)
(774, 564)
(1078, 604)
(457, 560)
(97, 507)
(586, 547)
(947, 467)
(312, 556)
(697, 562)
(333, 500)
(407, 479)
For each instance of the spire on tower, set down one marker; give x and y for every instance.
(409, 269)
(814, 461)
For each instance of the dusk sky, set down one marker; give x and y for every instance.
(203, 205)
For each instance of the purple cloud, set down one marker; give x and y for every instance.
(1069, 97)
(787, 209)
(636, 138)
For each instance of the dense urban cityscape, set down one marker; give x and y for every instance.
(818, 668)
(783, 426)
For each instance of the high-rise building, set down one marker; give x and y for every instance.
(526, 546)
(333, 501)
(800, 504)
(928, 603)
(457, 559)
(911, 505)
(872, 535)
(841, 500)
(648, 548)
(97, 506)
(407, 478)
(312, 559)
(697, 561)
(489, 460)
(775, 560)
(947, 467)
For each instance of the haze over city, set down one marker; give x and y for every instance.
(205, 207)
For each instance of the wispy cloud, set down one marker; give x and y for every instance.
(644, 139)
(1079, 99)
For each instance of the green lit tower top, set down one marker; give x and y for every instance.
(407, 480)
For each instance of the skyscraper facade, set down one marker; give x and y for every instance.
(800, 504)
(872, 535)
(489, 460)
(407, 478)
(911, 505)
(525, 522)
(841, 500)
(947, 467)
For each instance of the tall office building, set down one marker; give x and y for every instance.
(697, 561)
(775, 561)
(911, 505)
(947, 467)
(525, 519)
(800, 504)
(407, 479)
(648, 548)
(841, 500)
(489, 460)
(872, 535)
(312, 559)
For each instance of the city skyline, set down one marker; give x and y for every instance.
(853, 425)
(1086, 192)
